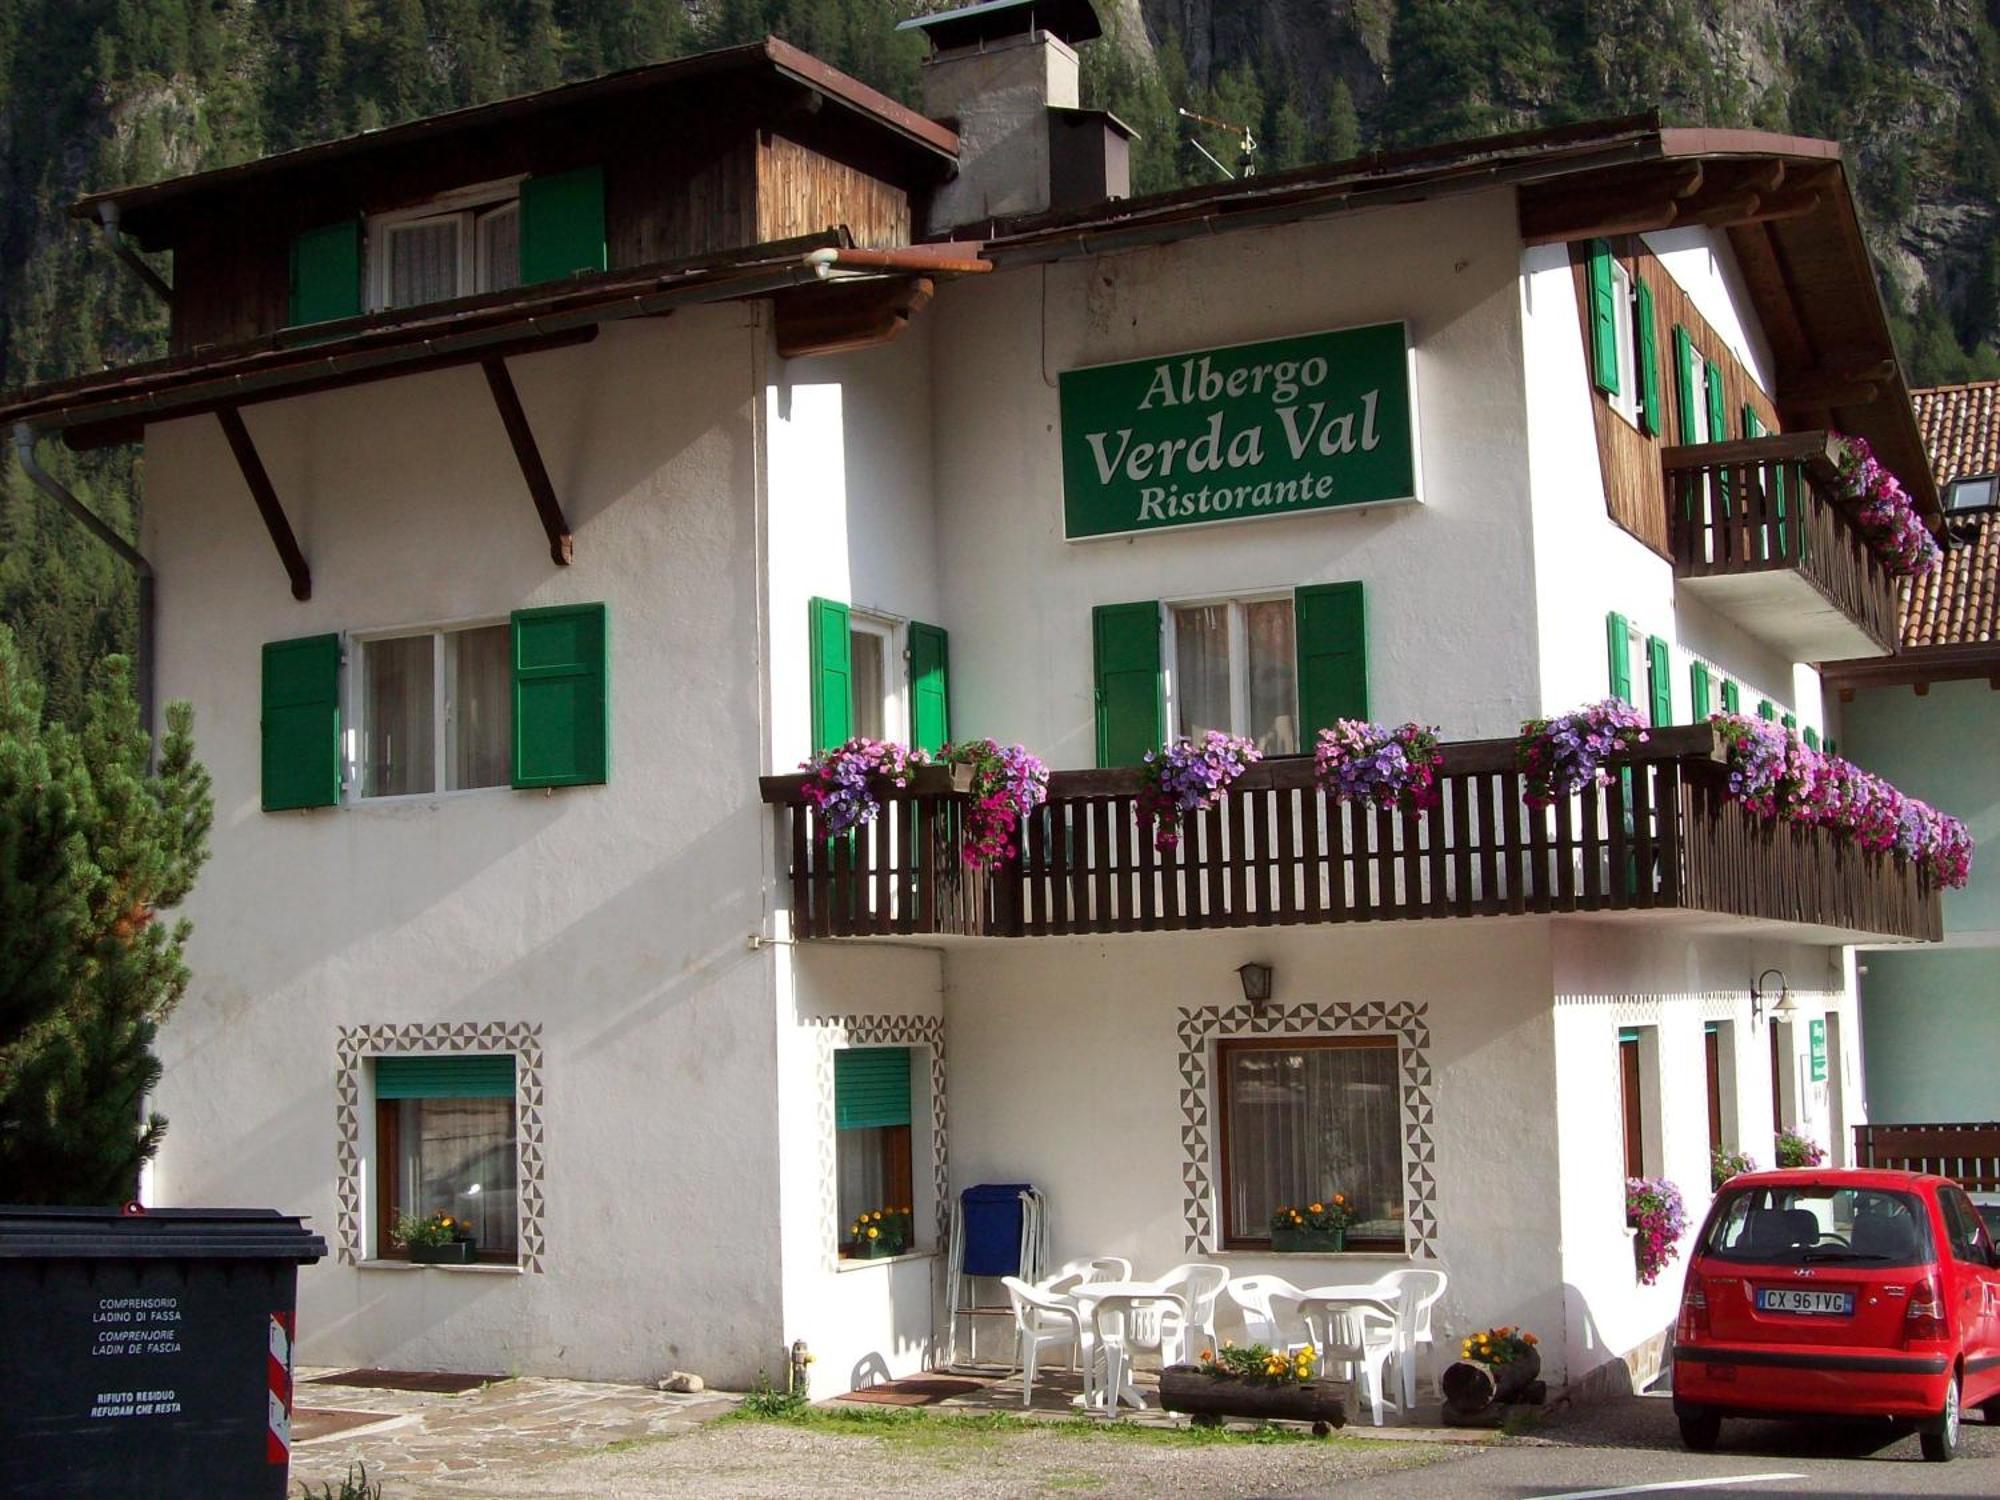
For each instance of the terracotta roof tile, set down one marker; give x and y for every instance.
(1959, 604)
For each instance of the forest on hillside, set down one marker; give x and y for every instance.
(100, 92)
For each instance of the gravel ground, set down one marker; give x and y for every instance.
(761, 1460)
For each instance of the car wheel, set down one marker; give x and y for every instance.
(1940, 1435)
(1700, 1430)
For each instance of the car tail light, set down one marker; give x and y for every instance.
(1924, 1318)
(1694, 1309)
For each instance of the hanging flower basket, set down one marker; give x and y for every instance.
(1793, 1149)
(1006, 784)
(1190, 776)
(1356, 761)
(1564, 754)
(1653, 1207)
(1883, 512)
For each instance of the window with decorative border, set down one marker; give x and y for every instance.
(447, 1151)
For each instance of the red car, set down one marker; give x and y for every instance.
(1839, 1293)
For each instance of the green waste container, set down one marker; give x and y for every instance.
(148, 1352)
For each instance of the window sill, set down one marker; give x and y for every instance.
(1247, 1253)
(477, 1268)
(846, 1263)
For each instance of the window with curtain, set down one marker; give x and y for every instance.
(499, 239)
(465, 242)
(445, 1144)
(436, 712)
(424, 261)
(1305, 1119)
(1236, 670)
(868, 651)
(871, 1097)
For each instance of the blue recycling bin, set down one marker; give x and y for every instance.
(993, 1228)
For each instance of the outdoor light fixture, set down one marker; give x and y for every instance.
(1256, 984)
(1783, 1007)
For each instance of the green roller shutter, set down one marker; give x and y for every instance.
(1684, 395)
(301, 723)
(562, 699)
(832, 649)
(1618, 646)
(1698, 700)
(1732, 697)
(1659, 681)
(1331, 630)
(1649, 358)
(930, 696)
(487, 1075)
(1131, 710)
(871, 1087)
(326, 273)
(562, 225)
(1718, 422)
(1603, 319)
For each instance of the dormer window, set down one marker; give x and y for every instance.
(1976, 492)
(453, 247)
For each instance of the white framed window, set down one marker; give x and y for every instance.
(1702, 434)
(1625, 401)
(1233, 666)
(454, 246)
(878, 709)
(431, 711)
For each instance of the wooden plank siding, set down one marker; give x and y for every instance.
(801, 191)
(1968, 1153)
(1634, 489)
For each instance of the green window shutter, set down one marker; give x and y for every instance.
(562, 698)
(871, 1087)
(1766, 709)
(301, 723)
(1718, 424)
(1811, 738)
(1684, 398)
(1331, 630)
(326, 273)
(1698, 700)
(1603, 320)
(1649, 358)
(1732, 697)
(562, 225)
(1618, 646)
(1753, 425)
(486, 1075)
(1131, 713)
(832, 674)
(1659, 681)
(1790, 721)
(930, 697)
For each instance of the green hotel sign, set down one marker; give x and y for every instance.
(1240, 433)
(1816, 1044)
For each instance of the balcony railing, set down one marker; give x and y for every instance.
(1752, 530)
(1662, 835)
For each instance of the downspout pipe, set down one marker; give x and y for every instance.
(107, 220)
(48, 484)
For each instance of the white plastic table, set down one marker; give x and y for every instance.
(1087, 1296)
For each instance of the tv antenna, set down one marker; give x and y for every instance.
(1246, 159)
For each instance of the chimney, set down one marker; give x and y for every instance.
(1004, 75)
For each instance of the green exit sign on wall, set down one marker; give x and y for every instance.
(1816, 1040)
(1239, 433)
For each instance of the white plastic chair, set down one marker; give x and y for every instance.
(1199, 1286)
(1270, 1308)
(1111, 1268)
(1358, 1336)
(1041, 1319)
(1118, 1325)
(1417, 1290)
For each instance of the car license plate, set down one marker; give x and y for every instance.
(1798, 1299)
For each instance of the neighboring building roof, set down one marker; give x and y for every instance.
(1961, 427)
(970, 25)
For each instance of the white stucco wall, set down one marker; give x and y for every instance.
(613, 917)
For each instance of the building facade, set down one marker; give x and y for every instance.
(515, 911)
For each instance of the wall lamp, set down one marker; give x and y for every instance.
(1783, 1006)
(1256, 985)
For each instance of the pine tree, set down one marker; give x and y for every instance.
(92, 846)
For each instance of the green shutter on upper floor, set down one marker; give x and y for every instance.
(326, 274)
(1811, 737)
(1684, 392)
(1659, 681)
(1732, 696)
(1718, 420)
(1603, 319)
(1698, 698)
(300, 728)
(484, 1075)
(562, 225)
(1131, 705)
(1753, 425)
(930, 694)
(1649, 358)
(871, 1087)
(1766, 709)
(1790, 721)
(562, 698)
(829, 632)
(1330, 621)
(1618, 650)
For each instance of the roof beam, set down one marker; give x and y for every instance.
(841, 316)
(1723, 194)
(529, 457)
(266, 496)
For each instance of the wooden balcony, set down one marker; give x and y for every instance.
(1754, 533)
(1662, 840)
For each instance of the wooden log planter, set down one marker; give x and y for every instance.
(1209, 1398)
(1474, 1391)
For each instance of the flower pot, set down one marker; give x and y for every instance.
(876, 1249)
(1470, 1386)
(1325, 1241)
(457, 1253)
(1190, 1389)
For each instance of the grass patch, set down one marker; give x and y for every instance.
(905, 1425)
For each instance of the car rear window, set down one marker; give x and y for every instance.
(1799, 1226)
